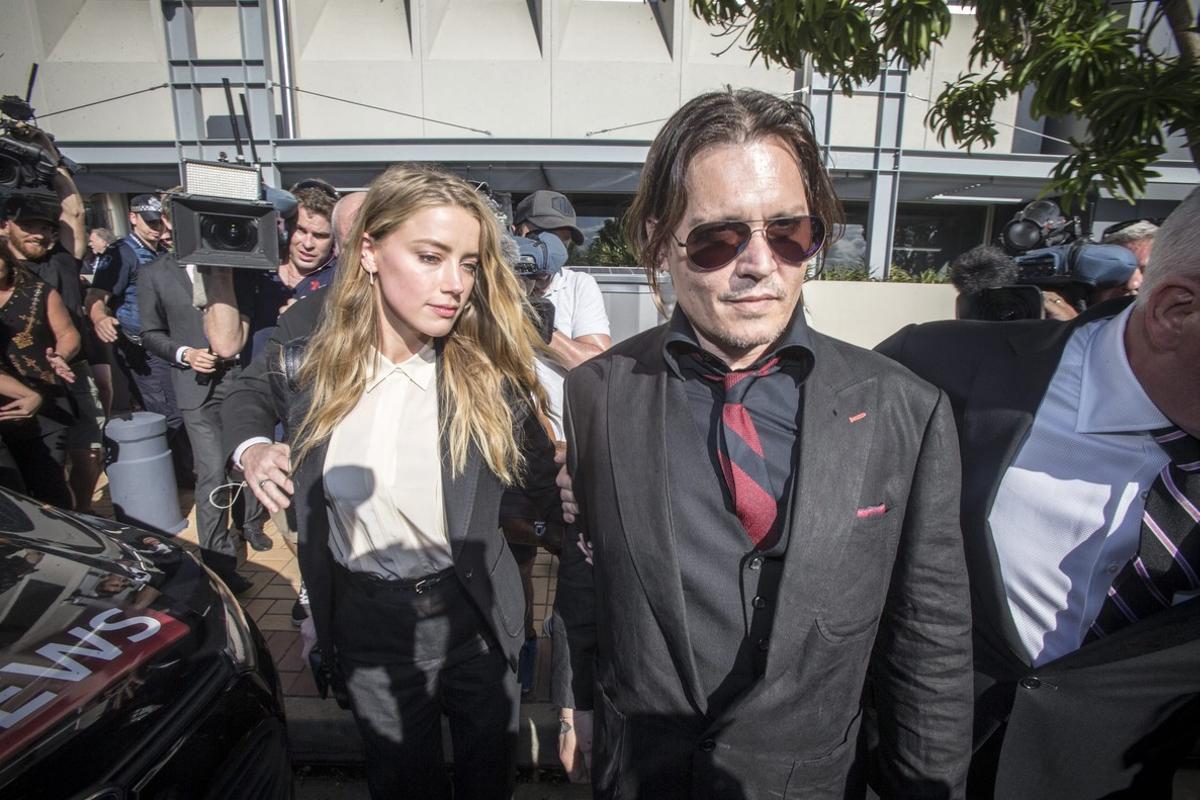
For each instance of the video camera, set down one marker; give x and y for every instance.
(222, 218)
(226, 216)
(1049, 255)
(24, 163)
(538, 255)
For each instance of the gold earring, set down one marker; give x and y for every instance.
(371, 278)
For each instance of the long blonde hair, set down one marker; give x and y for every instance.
(487, 359)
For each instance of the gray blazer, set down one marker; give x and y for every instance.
(873, 618)
(169, 322)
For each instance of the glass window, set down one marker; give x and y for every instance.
(849, 252)
(929, 236)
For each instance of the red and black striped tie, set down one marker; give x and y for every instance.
(741, 454)
(1168, 556)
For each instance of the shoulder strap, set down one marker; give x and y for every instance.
(293, 357)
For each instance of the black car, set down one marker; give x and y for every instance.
(127, 670)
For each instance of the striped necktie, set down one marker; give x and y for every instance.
(743, 461)
(1168, 557)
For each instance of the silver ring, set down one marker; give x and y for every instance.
(263, 482)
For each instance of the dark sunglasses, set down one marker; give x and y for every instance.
(792, 239)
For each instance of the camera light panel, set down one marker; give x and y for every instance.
(215, 179)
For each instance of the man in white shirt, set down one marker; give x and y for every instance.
(1079, 510)
(581, 327)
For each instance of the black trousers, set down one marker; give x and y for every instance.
(208, 458)
(408, 658)
(36, 452)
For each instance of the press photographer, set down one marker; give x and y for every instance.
(43, 212)
(42, 219)
(1059, 274)
(1136, 236)
(581, 327)
(173, 331)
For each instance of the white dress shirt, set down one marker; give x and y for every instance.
(190, 270)
(383, 476)
(578, 311)
(1067, 515)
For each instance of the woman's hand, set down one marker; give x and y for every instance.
(21, 408)
(267, 468)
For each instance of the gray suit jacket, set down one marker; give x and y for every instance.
(169, 322)
(1112, 719)
(873, 615)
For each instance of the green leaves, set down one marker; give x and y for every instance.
(910, 29)
(964, 109)
(1076, 58)
(849, 40)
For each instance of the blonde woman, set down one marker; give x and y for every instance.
(413, 409)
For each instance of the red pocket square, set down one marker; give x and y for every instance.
(871, 511)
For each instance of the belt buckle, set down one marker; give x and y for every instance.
(420, 585)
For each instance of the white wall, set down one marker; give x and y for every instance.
(478, 63)
(944, 67)
(865, 313)
(89, 50)
(859, 312)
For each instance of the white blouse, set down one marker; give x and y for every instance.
(383, 477)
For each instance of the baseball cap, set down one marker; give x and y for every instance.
(546, 250)
(148, 206)
(548, 210)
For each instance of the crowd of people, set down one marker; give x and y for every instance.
(962, 565)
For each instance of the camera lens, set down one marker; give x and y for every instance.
(235, 234)
(1021, 235)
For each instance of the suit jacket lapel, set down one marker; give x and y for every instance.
(826, 491)
(639, 462)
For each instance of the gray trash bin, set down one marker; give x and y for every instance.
(141, 476)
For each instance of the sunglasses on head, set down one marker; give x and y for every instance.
(792, 239)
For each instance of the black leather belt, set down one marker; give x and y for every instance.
(415, 585)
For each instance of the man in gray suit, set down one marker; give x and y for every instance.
(173, 330)
(770, 560)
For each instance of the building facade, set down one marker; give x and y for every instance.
(523, 94)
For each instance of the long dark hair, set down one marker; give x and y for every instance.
(717, 118)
